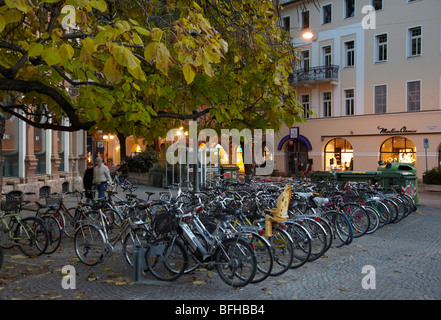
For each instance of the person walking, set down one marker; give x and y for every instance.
(101, 176)
(88, 182)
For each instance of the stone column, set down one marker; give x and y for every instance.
(30, 158)
(55, 158)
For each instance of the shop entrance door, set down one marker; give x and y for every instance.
(297, 157)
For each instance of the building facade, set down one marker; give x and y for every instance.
(42, 161)
(371, 80)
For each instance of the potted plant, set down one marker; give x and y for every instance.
(432, 179)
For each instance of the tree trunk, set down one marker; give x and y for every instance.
(122, 145)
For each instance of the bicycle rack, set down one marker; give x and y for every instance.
(138, 262)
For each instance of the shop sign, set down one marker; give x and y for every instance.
(395, 131)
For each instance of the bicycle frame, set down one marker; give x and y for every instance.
(16, 220)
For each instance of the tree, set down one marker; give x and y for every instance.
(140, 67)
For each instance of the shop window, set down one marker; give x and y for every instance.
(398, 149)
(10, 147)
(40, 150)
(339, 155)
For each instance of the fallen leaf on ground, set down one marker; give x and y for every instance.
(199, 282)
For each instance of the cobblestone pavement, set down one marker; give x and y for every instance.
(406, 257)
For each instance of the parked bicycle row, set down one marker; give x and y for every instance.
(245, 231)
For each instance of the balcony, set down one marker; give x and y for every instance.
(315, 75)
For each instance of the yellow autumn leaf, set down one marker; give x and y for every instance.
(112, 70)
(66, 51)
(2, 23)
(163, 59)
(198, 282)
(12, 16)
(35, 49)
(156, 34)
(206, 61)
(141, 31)
(137, 73)
(89, 45)
(22, 5)
(150, 51)
(189, 73)
(125, 57)
(51, 56)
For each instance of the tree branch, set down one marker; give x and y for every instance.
(29, 86)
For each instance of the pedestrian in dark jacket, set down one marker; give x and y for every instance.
(124, 168)
(88, 182)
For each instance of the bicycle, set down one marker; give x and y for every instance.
(167, 258)
(28, 234)
(92, 243)
(128, 184)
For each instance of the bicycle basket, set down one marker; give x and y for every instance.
(165, 222)
(12, 202)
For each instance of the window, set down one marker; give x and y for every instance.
(327, 14)
(377, 4)
(381, 48)
(413, 96)
(339, 155)
(349, 102)
(327, 104)
(40, 150)
(286, 23)
(380, 99)
(305, 20)
(415, 39)
(349, 8)
(305, 103)
(349, 54)
(398, 149)
(305, 61)
(10, 146)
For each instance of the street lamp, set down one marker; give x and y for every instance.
(309, 34)
(107, 138)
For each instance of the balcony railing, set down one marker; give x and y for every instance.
(315, 74)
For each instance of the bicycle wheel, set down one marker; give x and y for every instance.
(301, 240)
(374, 219)
(343, 232)
(130, 184)
(31, 236)
(89, 244)
(113, 223)
(166, 259)
(383, 212)
(264, 257)
(318, 236)
(401, 209)
(359, 218)
(235, 262)
(5, 239)
(328, 229)
(134, 240)
(55, 233)
(283, 251)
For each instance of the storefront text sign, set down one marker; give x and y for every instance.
(393, 130)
